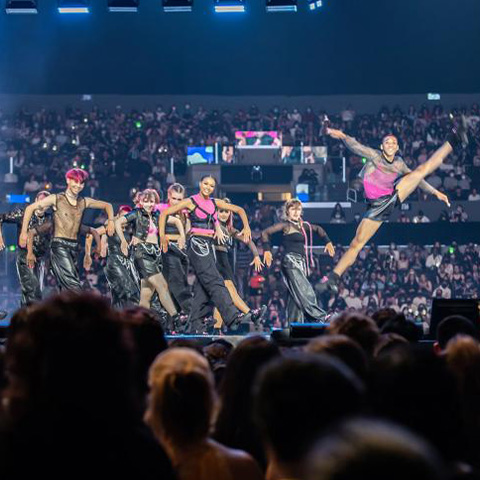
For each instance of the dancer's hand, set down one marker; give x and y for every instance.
(443, 198)
(181, 242)
(338, 134)
(22, 241)
(164, 244)
(246, 233)
(220, 236)
(31, 259)
(124, 247)
(87, 262)
(330, 249)
(257, 262)
(110, 227)
(267, 258)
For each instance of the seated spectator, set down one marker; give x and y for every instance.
(474, 196)
(452, 326)
(420, 218)
(450, 183)
(296, 400)
(181, 409)
(374, 450)
(338, 215)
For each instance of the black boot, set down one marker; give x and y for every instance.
(241, 318)
(458, 135)
(258, 314)
(331, 284)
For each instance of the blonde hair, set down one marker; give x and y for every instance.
(182, 403)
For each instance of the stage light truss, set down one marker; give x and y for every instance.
(73, 6)
(281, 5)
(21, 6)
(177, 5)
(123, 6)
(229, 6)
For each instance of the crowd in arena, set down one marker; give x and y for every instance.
(86, 388)
(139, 146)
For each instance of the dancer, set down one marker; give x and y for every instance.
(388, 182)
(175, 260)
(69, 208)
(119, 270)
(30, 279)
(209, 284)
(298, 242)
(146, 251)
(222, 252)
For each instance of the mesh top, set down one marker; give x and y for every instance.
(67, 218)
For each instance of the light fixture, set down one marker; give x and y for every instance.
(314, 4)
(177, 5)
(21, 6)
(123, 6)
(73, 6)
(281, 5)
(229, 6)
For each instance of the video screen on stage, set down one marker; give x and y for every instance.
(255, 139)
(306, 154)
(199, 155)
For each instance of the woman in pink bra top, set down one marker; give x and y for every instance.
(388, 182)
(209, 284)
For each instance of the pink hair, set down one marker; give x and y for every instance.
(124, 208)
(77, 174)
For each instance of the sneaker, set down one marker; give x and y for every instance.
(258, 314)
(238, 320)
(329, 283)
(459, 132)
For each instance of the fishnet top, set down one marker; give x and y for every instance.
(379, 175)
(67, 218)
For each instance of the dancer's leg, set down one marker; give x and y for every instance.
(63, 256)
(237, 301)
(159, 283)
(28, 279)
(146, 293)
(365, 231)
(411, 181)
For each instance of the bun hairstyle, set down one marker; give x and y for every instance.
(182, 400)
(176, 187)
(209, 176)
(293, 203)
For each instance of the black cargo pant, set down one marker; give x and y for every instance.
(175, 269)
(64, 259)
(124, 287)
(30, 279)
(209, 285)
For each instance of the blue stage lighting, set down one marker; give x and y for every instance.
(177, 5)
(314, 4)
(123, 6)
(281, 5)
(73, 6)
(229, 6)
(21, 6)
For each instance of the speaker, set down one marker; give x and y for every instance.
(442, 308)
(298, 333)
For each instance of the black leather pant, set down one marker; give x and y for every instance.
(64, 262)
(30, 279)
(124, 287)
(209, 285)
(175, 269)
(302, 302)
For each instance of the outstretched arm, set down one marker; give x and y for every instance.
(44, 203)
(329, 247)
(356, 147)
(246, 232)
(267, 247)
(162, 220)
(100, 205)
(15, 216)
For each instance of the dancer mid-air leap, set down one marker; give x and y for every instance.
(388, 182)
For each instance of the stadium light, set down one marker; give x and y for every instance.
(21, 6)
(73, 6)
(314, 4)
(229, 6)
(177, 5)
(123, 6)
(281, 5)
